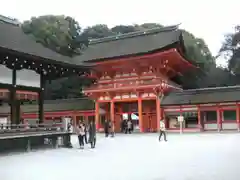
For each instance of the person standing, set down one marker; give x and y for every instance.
(129, 126)
(162, 131)
(92, 134)
(68, 137)
(112, 129)
(106, 128)
(85, 136)
(81, 134)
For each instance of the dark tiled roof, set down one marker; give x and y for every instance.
(131, 43)
(13, 38)
(203, 96)
(56, 105)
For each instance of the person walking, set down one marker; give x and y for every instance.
(92, 134)
(106, 128)
(85, 136)
(81, 134)
(129, 126)
(112, 128)
(162, 131)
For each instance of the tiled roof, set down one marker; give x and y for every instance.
(203, 96)
(13, 38)
(131, 44)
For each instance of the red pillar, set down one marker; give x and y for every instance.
(112, 113)
(238, 116)
(158, 111)
(219, 121)
(97, 115)
(74, 120)
(140, 114)
(199, 119)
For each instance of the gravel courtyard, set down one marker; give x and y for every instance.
(132, 157)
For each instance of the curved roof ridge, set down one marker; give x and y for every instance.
(134, 34)
(213, 88)
(210, 89)
(9, 20)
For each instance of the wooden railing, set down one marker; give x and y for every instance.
(21, 128)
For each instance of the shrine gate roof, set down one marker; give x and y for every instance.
(132, 44)
(203, 96)
(12, 38)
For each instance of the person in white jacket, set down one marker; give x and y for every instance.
(81, 133)
(162, 130)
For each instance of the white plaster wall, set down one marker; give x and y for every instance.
(210, 126)
(192, 126)
(229, 126)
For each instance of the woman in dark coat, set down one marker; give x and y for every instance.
(92, 134)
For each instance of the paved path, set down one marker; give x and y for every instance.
(133, 157)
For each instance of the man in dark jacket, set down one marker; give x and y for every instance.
(106, 128)
(92, 134)
(85, 136)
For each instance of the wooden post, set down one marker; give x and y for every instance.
(219, 119)
(112, 110)
(199, 118)
(97, 115)
(74, 120)
(112, 116)
(41, 99)
(140, 114)
(182, 126)
(13, 98)
(158, 111)
(238, 116)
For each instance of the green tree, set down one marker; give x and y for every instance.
(59, 33)
(64, 35)
(97, 31)
(122, 29)
(230, 50)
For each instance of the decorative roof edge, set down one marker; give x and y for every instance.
(134, 34)
(10, 20)
(210, 89)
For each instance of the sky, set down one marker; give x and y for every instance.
(209, 20)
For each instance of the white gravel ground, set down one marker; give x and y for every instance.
(132, 157)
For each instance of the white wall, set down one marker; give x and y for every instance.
(28, 78)
(24, 77)
(210, 126)
(5, 75)
(226, 126)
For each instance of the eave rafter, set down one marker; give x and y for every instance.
(48, 70)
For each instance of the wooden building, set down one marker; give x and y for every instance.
(136, 77)
(203, 109)
(133, 73)
(21, 59)
(55, 110)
